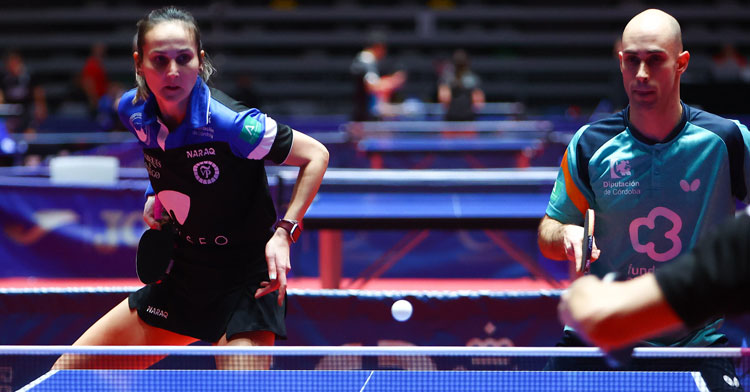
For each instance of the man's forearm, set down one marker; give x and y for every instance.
(551, 239)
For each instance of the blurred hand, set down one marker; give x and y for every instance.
(614, 314)
(584, 305)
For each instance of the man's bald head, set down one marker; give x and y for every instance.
(657, 24)
(652, 62)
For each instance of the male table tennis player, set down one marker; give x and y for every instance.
(659, 175)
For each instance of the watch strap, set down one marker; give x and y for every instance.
(292, 227)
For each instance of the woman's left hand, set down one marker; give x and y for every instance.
(277, 257)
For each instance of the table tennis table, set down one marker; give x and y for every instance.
(478, 144)
(363, 380)
(398, 199)
(489, 200)
(421, 152)
(419, 127)
(462, 145)
(414, 210)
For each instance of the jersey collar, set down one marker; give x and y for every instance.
(200, 98)
(197, 115)
(672, 134)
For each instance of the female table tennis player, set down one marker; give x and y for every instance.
(204, 153)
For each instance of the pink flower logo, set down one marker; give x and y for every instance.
(672, 235)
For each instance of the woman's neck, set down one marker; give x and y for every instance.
(172, 113)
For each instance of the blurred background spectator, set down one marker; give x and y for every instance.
(93, 80)
(372, 91)
(20, 87)
(729, 66)
(106, 108)
(460, 89)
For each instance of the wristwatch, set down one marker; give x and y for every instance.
(291, 226)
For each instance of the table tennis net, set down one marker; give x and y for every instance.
(395, 368)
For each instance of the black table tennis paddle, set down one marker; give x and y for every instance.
(588, 242)
(154, 257)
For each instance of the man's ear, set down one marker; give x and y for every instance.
(682, 61)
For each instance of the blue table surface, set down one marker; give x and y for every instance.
(360, 380)
(428, 205)
(446, 145)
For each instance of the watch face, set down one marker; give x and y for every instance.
(295, 233)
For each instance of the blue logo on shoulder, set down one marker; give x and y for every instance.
(136, 122)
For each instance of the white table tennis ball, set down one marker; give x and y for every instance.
(401, 310)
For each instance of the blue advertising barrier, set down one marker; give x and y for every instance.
(65, 231)
(322, 317)
(69, 231)
(316, 317)
(331, 317)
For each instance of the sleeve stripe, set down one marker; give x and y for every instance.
(269, 135)
(292, 146)
(571, 189)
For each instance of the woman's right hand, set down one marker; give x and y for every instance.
(150, 212)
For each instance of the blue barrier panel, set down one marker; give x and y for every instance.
(69, 231)
(330, 317)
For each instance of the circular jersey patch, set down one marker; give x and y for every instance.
(206, 172)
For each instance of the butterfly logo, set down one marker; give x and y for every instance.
(691, 187)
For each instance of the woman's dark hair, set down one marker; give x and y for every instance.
(155, 17)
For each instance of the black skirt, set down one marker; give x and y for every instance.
(210, 293)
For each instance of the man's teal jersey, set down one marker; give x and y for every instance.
(652, 201)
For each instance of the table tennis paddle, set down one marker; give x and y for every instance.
(588, 242)
(153, 259)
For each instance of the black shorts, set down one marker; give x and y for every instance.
(718, 373)
(208, 294)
